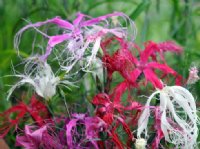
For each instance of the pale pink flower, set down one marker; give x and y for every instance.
(193, 75)
(82, 36)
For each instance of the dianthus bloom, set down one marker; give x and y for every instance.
(193, 75)
(177, 117)
(36, 109)
(82, 34)
(41, 77)
(131, 67)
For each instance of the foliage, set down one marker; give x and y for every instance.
(155, 20)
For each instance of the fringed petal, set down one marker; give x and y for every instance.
(178, 117)
(151, 76)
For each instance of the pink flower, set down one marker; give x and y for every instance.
(193, 75)
(80, 34)
(39, 137)
(93, 125)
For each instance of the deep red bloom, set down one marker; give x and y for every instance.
(131, 67)
(108, 104)
(36, 109)
(111, 109)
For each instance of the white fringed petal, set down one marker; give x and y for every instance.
(144, 118)
(42, 79)
(178, 117)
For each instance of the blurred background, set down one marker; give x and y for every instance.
(157, 20)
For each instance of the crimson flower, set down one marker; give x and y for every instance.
(111, 110)
(131, 67)
(36, 109)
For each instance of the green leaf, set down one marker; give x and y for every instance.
(98, 84)
(97, 3)
(141, 7)
(7, 56)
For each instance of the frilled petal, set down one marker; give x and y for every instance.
(151, 77)
(69, 134)
(169, 46)
(166, 70)
(176, 116)
(57, 20)
(150, 48)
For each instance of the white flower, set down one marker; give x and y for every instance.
(178, 116)
(140, 143)
(41, 77)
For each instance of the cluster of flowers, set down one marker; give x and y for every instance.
(119, 120)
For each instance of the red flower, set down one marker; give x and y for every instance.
(131, 67)
(110, 109)
(36, 109)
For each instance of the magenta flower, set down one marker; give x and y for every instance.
(39, 137)
(89, 136)
(80, 34)
(32, 137)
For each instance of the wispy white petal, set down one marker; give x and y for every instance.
(178, 117)
(41, 78)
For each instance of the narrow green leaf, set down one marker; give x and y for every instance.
(141, 7)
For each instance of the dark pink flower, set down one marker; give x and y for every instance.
(39, 137)
(88, 134)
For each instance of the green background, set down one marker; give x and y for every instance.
(157, 20)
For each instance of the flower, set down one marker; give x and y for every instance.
(151, 48)
(140, 143)
(108, 104)
(193, 75)
(41, 77)
(131, 68)
(31, 138)
(35, 137)
(177, 116)
(81, 34)
(110, 109)
(90, 131)
(36, 109)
